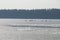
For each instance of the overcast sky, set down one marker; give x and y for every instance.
(29, 4)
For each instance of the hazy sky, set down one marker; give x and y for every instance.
(29, 4)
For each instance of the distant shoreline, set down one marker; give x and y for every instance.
(28, 18)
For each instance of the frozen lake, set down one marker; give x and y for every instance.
(13, 33)
(16, 33)
(38, 22)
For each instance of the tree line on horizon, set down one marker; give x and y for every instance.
(31, 14)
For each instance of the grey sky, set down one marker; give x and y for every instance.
(29, 4)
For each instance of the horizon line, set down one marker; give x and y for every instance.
(26, 8)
